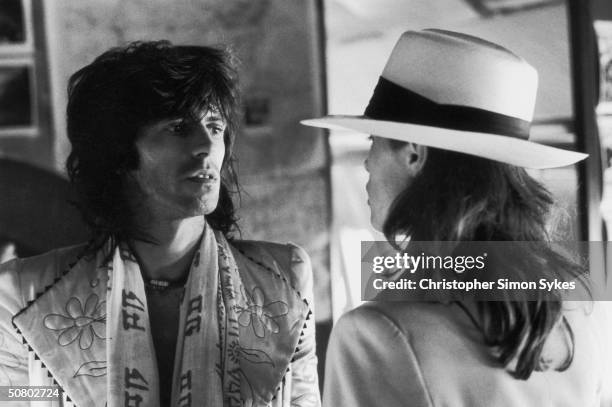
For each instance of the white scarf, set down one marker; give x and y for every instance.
(200, 371)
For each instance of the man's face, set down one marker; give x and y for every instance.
(179, 168)
(389, 175)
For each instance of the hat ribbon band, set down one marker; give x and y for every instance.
(391, 102)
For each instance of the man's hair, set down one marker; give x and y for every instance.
(127, 88)
(459, 197)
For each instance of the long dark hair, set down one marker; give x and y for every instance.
(458, 197)
(121, 91)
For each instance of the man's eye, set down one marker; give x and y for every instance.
(217, 130)
(179, 128)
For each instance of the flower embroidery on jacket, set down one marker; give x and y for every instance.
(256, 356)
(82, 323)
(259, 314)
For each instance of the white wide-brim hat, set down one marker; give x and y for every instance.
(456, 92)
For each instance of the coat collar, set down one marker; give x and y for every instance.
(65, 327)
(277, 319)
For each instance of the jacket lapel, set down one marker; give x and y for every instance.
(65, 327)
(271, 317)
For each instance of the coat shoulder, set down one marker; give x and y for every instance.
(264, 250)
(427, 323)
(29, 276)
(367, 342)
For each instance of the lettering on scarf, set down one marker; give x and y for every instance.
(233, 388)
(131, 311)
(233, 328)
(234, 385)
(185, 390)
(234, 402)
(134, 382)
(185, 401)
(194, 317)
(132, 400)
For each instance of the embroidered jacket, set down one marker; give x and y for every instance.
(280, 272)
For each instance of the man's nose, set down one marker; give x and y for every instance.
(202, 140)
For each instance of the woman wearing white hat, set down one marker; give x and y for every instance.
(449, 121)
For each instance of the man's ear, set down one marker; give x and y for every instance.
(415, 156)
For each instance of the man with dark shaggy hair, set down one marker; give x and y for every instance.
(162, 307)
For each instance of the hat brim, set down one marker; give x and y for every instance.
(505, 149)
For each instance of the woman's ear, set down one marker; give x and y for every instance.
(415, 157)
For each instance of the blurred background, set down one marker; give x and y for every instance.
(300, 59)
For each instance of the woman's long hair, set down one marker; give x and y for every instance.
(458, 197)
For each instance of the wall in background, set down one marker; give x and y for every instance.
(25, 112)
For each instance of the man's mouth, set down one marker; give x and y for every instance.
(207, 177)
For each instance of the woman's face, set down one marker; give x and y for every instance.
(391, 171)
